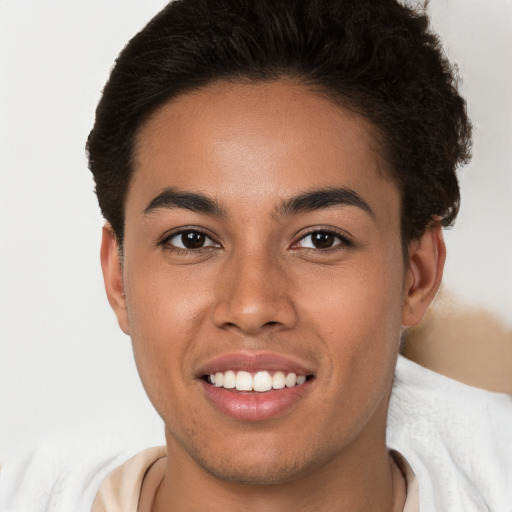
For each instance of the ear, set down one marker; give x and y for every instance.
(113, 277)
(423, 275)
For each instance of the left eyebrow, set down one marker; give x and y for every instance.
(196, 202)
(321, 199)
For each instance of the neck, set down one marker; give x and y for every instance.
(362, 478)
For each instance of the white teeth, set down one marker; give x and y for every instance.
(279, 380)
(229, 381)
(243, 381)
(260, 381)
(291, 380)
(219, 378)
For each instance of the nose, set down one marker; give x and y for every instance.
(254, 295)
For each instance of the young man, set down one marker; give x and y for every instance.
(275, 176)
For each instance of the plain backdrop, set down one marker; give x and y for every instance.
(64, 364)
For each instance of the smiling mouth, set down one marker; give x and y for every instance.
(261, 381)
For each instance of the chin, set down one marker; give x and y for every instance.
(261, 463)
(258, 473)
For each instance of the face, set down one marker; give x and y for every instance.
(262, 242)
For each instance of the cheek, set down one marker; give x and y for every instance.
(166, 312)
(356, 311)
(163, 305)
(356, 299)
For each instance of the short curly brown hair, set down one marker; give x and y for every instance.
(377, 58)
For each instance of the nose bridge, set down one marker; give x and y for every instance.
(253, 293)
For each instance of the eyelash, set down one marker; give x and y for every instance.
(343, 241)
(165, 242)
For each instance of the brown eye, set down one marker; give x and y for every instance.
(191, 240)
(323, 240)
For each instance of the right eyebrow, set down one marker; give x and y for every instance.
(323, 198)
(173, 198)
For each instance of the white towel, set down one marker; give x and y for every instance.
(456, 438)
(64, 473)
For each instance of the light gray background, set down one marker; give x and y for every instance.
(64, 364)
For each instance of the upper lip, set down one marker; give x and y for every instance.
(254, 362)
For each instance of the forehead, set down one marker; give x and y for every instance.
(254, 141)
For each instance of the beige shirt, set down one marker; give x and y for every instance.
(132, 486)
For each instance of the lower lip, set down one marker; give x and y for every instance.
(254, 406)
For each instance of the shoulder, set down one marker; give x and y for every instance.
(62, 474)
(123, 488)
(457, 439)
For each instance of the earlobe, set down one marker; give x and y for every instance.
(423, 277)
(113, 277)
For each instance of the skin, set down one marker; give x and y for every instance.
(260, 284)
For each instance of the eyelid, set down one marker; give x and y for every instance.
(184, 229)
(343, 236)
